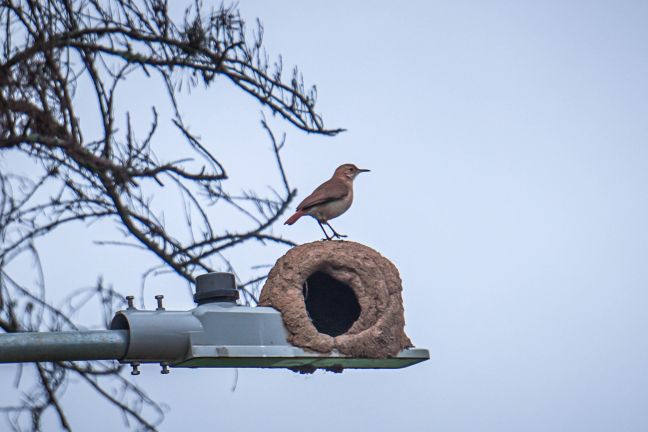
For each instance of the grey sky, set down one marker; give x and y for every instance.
(508, 143)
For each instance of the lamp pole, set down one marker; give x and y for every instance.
(63, 346)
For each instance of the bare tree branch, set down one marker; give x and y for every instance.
(50, 52)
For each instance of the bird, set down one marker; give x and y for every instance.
(330, 199)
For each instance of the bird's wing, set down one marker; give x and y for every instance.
(330, 190)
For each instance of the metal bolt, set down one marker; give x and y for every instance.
(130, 299)
(165, 368)
(159, 298)
(135, 366)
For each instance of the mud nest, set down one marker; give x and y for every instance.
(338, 295)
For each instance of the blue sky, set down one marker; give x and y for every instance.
(508, 144)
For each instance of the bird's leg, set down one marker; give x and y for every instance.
(334, 232)
(325, 233)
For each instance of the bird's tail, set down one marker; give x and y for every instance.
(292, 219)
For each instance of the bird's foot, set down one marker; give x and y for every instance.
(335, 233)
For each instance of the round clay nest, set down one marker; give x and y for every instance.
(338, 295)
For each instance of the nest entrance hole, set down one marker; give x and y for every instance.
(332, 305)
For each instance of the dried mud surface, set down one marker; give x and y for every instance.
(379, 330)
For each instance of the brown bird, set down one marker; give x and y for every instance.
(330, 199)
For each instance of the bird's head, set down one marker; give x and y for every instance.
(349, 171)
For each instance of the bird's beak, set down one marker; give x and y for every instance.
(363, 170)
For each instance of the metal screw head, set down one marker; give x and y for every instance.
(130, 299)
(159, 298)
(165, 368)
(135, 366)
